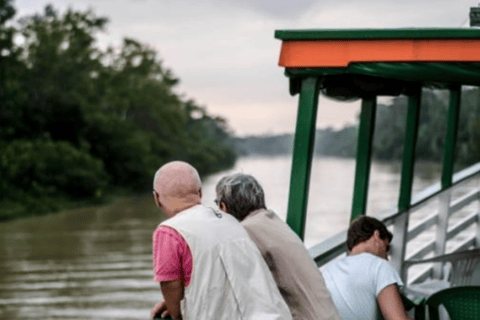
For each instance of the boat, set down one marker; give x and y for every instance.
(370, 63)
(366, 64)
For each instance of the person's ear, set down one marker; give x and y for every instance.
(376, 234)
(223, 207)
(155, 198)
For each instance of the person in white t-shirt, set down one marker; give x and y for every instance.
(363, 284)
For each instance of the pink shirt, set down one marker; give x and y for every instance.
(172, 258)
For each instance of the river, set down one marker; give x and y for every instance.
(95, 263)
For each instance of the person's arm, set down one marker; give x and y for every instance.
(171, 255)
(391, 305)
(173, 293)
(160, 310)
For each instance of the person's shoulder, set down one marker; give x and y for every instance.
(375, 259)
(358, 261)
(253, 218)
(335, 264)
(164, 231)
(376, 265)
(196, 212)
(370, 260)
(367, 256)
(261, 216)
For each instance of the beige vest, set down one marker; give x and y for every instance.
(230, 279)
(297, 276)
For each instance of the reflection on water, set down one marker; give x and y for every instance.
(85, 264)
(96, 263)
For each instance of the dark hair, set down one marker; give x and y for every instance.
(363, 228)
(241, 194)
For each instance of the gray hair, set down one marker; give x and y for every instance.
(241, 194)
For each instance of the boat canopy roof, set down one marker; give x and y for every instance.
(370, 62)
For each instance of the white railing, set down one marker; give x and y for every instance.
(438, 222)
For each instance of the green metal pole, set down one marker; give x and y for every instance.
(447, 176)
(364, 155)
(302, 155)
(408, 161)
(400, 223)
(451, 137)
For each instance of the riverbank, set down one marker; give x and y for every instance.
(23, 205)
(19, 204)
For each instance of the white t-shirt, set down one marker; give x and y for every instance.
(355, 283)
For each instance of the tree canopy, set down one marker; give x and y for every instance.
(77, 120)
(391, 125)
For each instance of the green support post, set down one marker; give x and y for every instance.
(302, 155)
(447, 177)
(451, 137)
(364, 155)
(408, 160)
(400, 223)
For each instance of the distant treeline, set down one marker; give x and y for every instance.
(389, 133)
(328, 142)
(78, 122)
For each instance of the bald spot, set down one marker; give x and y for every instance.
(177, 180)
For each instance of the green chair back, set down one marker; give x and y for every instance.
(461, 303)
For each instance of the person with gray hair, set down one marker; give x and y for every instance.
(207, 265)
(296, 274)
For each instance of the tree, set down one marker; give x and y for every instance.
(6, 40)
(391, 122)
(82, 119)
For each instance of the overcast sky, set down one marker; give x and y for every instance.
(225, 53)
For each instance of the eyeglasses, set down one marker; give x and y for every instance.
(387, 246)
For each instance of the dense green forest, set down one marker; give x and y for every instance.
(389, 132)
(78, 123)
(391, 121)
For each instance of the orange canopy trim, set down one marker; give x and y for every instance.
(339, 53)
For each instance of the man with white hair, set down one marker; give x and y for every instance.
(296, 274)
(207, 266)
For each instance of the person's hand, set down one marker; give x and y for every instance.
(160, 310)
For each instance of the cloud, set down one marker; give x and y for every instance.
(225, 54)
(283, 9)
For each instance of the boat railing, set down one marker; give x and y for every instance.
(437, 222)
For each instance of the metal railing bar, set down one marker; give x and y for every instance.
(423, 196)
(421, 199)
(329, 249)
(464, 201)
(462, 225)
(460, 252)
(466, 173)
(387, 217)
(465, 245)
(423, 251)
(455, 255)
(422, 276)
(436, 188)
(422, 226)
